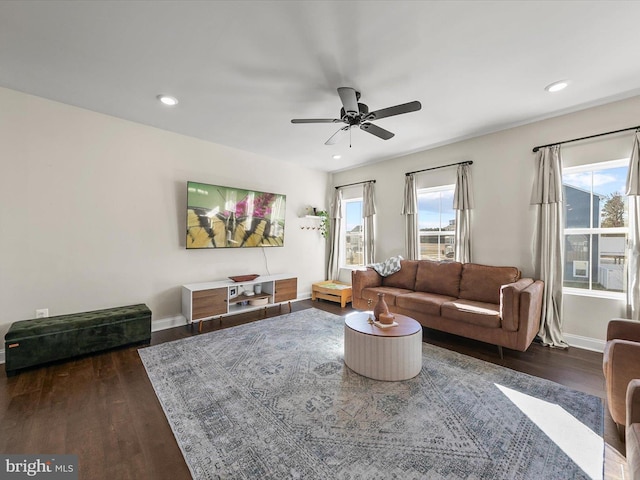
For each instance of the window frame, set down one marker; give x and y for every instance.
(590, 232)
(440, 233)
(343, 234)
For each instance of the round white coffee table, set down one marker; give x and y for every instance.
(390, 354)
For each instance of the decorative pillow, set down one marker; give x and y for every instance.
(389, 266)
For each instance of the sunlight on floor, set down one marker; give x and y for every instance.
(579, 442)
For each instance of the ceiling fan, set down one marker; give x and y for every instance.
(356, 114)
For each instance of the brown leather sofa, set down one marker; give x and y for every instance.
(486, 303)
(633, 429)
(620, 365)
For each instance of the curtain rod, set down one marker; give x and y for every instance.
(468, 162)
(356, 183)
(535, 149)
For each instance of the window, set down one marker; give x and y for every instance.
(596, 227)
(353, 228)
(436, 223)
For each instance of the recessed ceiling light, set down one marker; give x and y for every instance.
(168, 100)
(336, 157)
(557, 86)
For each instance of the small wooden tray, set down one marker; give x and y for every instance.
(244, 278)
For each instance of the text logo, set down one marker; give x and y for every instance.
(49, 467)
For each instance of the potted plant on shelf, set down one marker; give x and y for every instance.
(324, 222)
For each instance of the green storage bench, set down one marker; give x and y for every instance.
(34, 342)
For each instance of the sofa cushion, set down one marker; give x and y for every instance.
(469, 311)
(442, 278)
(404, 278)
(482, 282)
(390, 294)
(428, 303)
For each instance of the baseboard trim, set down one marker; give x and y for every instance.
(169, 322)
(2, 356)
(586, 343)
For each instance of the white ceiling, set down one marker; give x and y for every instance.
(243, 69)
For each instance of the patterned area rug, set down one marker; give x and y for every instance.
(274, 400)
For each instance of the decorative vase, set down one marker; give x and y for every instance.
(381, 307)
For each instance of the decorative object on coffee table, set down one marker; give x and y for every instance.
(380, 308)
(386, 318)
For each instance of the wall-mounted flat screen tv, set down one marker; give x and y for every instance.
(226, 217)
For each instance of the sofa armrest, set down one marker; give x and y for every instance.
(632, 429)
(510, 303)
(531, 307)
(619, 328)
(621, 366)
(633, 401)
(361, 279)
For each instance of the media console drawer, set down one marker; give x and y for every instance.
(286, 290)
(208, 303)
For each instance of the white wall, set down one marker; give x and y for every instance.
(502, 179)
(92, 212)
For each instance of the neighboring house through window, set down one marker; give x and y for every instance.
(596, 227)
(353, 236)
(436, 223)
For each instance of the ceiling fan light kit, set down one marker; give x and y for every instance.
(356, 114)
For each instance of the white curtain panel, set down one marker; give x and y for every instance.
(335, 222)
(410, 211)
(368, 213)
(548, 242)
(633, 241)
(463, 203)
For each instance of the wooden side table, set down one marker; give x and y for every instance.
(390, 354)
(332, 291)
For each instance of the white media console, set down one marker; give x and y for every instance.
(204, 301)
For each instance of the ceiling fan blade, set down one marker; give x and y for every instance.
(336, 137)
(377, 131)
(391, 111)
(349, 100)
(315, 120)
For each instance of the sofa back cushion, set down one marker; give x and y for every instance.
(482, 282)
(439, 277)
(404, 278)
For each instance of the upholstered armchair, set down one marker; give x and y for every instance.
(633, 429)
(621, 364)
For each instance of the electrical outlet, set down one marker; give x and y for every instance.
(42, 313)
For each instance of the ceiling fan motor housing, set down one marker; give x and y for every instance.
(354, 119)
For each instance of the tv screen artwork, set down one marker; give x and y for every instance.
(225, 217)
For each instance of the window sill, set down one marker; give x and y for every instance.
(594, 293)
(353, 267)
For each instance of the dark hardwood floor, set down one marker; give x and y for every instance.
(103, 407)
